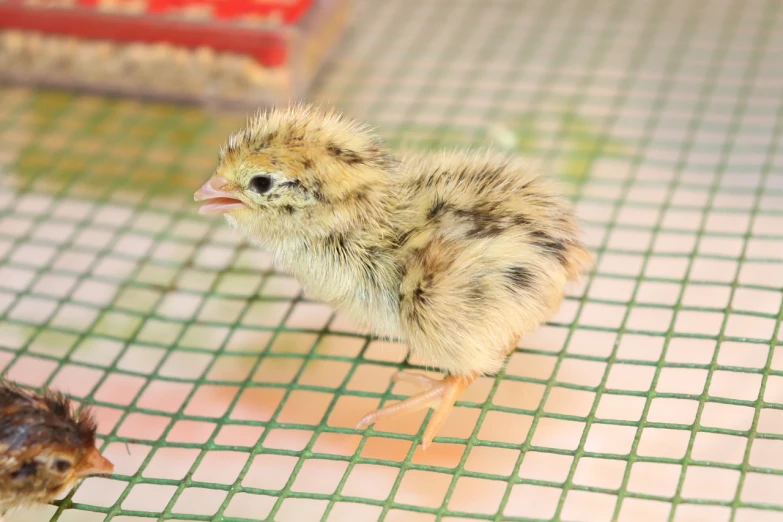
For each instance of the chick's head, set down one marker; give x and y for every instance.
(296, 171)
(46, 446)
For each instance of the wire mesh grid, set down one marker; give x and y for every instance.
(223, 393)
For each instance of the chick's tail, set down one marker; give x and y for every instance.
(579, 260)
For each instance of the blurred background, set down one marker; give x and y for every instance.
(223, 393)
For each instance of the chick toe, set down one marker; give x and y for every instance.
(442, 395)
(422, 381)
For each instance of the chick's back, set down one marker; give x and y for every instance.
(485, 248)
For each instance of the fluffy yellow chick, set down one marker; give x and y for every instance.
(458, 253)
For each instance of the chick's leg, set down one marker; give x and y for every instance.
(441, 393)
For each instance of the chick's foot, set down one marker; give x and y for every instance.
(440, 394)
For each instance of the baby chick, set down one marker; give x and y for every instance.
(45, 447)
(459, 253)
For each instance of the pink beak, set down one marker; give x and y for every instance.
(217, 200)
(95, 464)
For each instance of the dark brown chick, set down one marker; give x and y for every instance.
(45, 446)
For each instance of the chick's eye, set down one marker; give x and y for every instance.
(261, 184)
(61, 465)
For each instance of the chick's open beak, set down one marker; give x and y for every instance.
(217, 200)
(95, 464)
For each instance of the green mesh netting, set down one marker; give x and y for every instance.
(223, 393)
